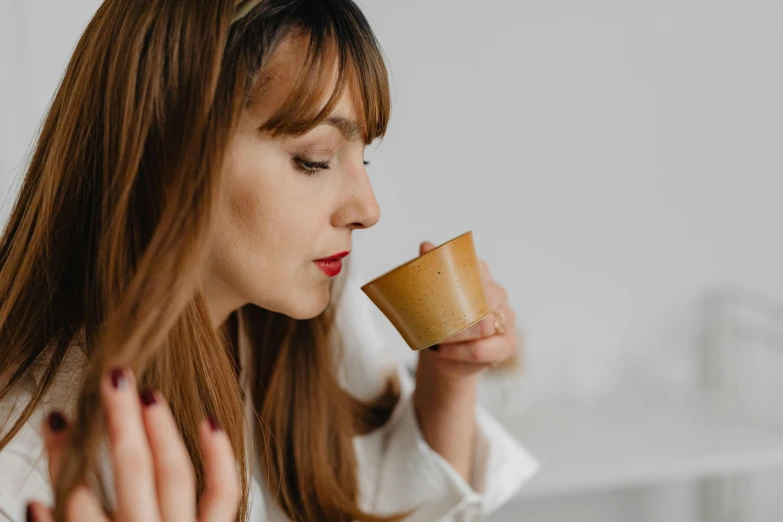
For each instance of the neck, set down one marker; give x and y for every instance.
(221, 300)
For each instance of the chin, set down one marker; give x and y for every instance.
(311, 305)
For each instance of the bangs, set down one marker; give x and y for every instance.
(329, 64)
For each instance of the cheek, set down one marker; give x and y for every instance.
(272, 223)
(275, 225)
(271, 250)
(252, 224)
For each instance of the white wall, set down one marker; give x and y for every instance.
(614, 159)
(36, 40)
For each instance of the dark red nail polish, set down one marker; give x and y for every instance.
(57, 422)
(30, 513)
(214, 424)
(148, 398)
(118, 379)
(435, 348)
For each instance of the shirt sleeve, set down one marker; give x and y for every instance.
(24, 474)
(399, 471)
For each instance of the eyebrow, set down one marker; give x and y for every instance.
(350, 129)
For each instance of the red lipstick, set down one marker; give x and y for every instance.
(331, 265)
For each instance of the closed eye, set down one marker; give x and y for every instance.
(310, 167)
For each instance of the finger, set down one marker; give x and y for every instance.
(481, 330)
(55, 437)
(496, 294)
(425, 247)
(497, 298)
(174, 475)
(484, 270)
(222, 494)
(37, 512)
(484, 351)
(84, 506)
(486, 327)
(453, 367)
(130, 452)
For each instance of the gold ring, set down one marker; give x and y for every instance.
(500, 322)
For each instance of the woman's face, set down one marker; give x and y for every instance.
(289, 201)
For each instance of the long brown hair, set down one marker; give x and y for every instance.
(104, 246)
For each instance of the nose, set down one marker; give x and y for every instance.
(359, 208)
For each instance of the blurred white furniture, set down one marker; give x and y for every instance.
(727, 429)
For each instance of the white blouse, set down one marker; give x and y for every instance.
(397, 472)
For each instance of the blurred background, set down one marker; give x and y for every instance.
(620, 164)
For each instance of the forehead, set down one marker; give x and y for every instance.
(282, 73)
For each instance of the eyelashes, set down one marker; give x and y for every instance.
(312, 167)
(309, 166)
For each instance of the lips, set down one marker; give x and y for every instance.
(335, 257)
(331, 265)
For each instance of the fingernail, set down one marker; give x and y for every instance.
(148, 398)
(30, 513)
(118, 379)
(57, 421)
(214, 424)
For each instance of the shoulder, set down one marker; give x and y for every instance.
(23, 464)
(24, 467)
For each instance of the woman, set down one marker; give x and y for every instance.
(171, 258)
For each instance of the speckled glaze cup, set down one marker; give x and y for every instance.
(434, 296)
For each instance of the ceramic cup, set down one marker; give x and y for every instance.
(434, 296)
